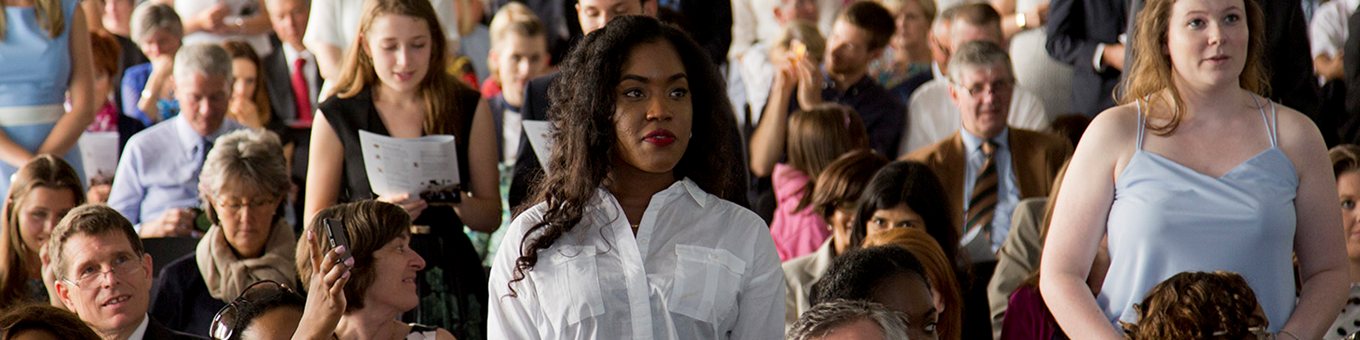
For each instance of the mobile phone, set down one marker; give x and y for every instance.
(335, 234)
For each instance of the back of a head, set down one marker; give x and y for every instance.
(1345, 158)
(873, 18)
(829, 319)
(54, 321)
(819, 135)
(1199, 305)
(248, 310)
(853, 275)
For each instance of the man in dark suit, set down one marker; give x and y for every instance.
(1350, 122)
(293, 81)
(988, 166)
(1086, 34)
(103, 274)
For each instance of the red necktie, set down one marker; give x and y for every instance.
(301, 93)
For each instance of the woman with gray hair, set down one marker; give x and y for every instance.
(157, 30)
(849, 319)
(241, 185)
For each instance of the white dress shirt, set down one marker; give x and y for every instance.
(310, 71)
(932, 116)
(699, 268)
(140, 333)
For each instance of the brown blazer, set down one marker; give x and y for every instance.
(1036, 158)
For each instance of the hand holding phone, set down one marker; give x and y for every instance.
(336, 236)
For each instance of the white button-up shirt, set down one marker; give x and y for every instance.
(699, 268)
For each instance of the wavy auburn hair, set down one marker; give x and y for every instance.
(1151, 70)
(583, 103)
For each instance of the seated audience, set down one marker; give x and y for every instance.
(1346, 165)
(933, 114)
(42, 321)
(1200, 305)
(888, 275)
(290, 73)
(242, 186)
(939, 270)
(986, 166)
(838, 188)
(849, 319)
(383, 281)
(156, 185)
(759, 65)
(906, 64)
(860, 34)
(816, 137)
(44, 190)
(104, 275)
(249, 102)
(264, 310)
(108, 116)
(148, 87)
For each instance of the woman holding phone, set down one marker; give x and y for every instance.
(631, 239)
(393, 85)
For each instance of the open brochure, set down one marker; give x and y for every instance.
(425, 165)
(540, 138)
(99, 154)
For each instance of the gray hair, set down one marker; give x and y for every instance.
(151, 17)
(248, 158)
(828, 316)
(975, 54)
(206, 59)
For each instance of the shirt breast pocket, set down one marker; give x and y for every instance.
(569, 285)
(707, 281)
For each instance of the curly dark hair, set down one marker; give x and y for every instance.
(914, 184)
(583, 104)
(1198, 305)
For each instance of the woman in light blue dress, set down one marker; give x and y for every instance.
(1196, 171)
(44, 55)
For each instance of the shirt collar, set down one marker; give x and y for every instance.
(289, 54)
(140, 333)
(972, 142)
(190, 139)
(684, 186)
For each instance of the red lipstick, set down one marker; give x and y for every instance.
(659, 137)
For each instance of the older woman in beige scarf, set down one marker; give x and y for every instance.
(242, 184)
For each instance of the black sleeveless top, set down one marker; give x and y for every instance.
(349, 115)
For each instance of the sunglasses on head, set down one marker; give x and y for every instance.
(223, 324)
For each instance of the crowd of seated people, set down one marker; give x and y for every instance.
(673, 169)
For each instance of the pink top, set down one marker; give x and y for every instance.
(795, 232)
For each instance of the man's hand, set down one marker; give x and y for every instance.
(172, 223)
(809, 83)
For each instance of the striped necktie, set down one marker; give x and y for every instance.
(982, 203)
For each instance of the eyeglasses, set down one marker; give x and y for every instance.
(223, 324)
(89, 275)
(1000, 87)
(231, 207)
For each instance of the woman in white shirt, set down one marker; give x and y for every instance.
(631, 238)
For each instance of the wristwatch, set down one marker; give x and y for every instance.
(1020, 20)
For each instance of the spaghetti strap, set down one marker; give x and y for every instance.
(1139, 141)
(1271, 122)
(1275, 125)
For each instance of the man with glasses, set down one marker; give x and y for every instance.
(987, 166)
(103, 274)
(931, 115)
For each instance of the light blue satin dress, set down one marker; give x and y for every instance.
(1167, 218)
(35, 69)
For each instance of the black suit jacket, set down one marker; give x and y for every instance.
(157, 331)
(279, 83)
(1075, 28)
(1350, 122)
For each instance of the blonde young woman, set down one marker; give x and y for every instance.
(1197, 172)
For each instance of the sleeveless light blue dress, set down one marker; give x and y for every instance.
(35, 70)
(1167, 218)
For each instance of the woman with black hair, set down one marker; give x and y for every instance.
(906, 194)
(632, 239)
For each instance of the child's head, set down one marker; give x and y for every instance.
(819, 135)
(1199, 305)
(519, 50)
